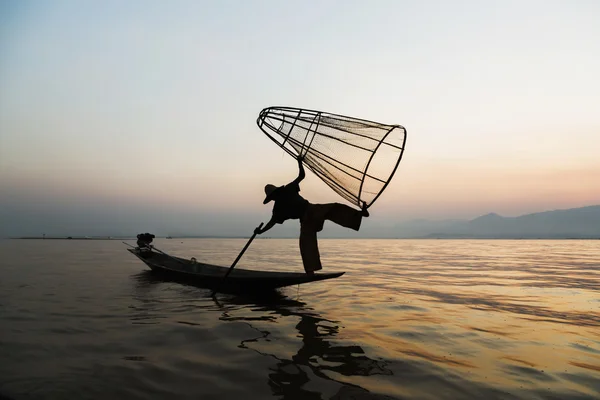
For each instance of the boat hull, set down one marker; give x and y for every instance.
(211, 276)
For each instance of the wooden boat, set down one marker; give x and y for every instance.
(211, 276)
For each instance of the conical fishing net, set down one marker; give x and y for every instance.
(355, 157)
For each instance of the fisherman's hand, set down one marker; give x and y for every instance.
(257, 230)
(364, 212)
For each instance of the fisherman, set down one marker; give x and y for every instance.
(290, 205)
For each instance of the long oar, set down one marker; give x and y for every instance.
(236, 260)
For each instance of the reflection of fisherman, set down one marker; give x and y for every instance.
(290, 205)
(318, 352)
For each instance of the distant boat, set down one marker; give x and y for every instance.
(169, 237)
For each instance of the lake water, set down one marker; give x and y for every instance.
(410, 319)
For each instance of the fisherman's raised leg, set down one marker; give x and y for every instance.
(345, 216)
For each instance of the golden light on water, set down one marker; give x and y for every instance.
(410, 318)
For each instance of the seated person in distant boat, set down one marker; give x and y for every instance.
(290, 205)
(144, 240)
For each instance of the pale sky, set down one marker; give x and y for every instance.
(109, 104)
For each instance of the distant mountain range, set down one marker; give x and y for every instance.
(575, 223)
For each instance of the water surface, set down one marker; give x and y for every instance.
(411, 319)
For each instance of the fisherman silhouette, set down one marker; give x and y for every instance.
(290, 205)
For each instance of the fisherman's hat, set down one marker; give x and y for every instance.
(270, 192)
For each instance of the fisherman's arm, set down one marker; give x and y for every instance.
(268, 226)
(301, 173)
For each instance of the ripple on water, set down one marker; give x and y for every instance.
(411, 319)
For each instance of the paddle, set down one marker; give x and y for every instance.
(236, 260)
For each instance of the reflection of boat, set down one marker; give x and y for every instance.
(208, 275)
(318, 356)
(300, 345)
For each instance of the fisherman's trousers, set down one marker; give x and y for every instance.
(312, 222)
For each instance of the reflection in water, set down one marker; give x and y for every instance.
(317, 353)
(289, 377)
(410, 319)
(438, 323)
(417, 328)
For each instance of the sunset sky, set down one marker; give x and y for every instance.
(123, 116)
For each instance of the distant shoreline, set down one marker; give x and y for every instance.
(322, 238)
(69, 238)
(117, 237)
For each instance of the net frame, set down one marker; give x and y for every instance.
(273, 120)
